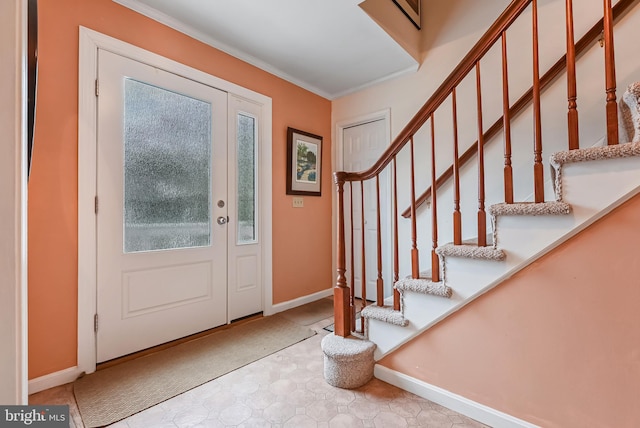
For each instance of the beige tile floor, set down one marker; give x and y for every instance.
(286, 389)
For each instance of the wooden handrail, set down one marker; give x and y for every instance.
(467, 64)
(518, 107)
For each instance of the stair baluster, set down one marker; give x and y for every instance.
(435, 259)
(572, 90)
(352, 287)
(415, 262)
(610, 75)
(379, 281)
(482, 215)
(538, 172)
(506, 124)
(457, 217)
(363, 278)
(396, 256)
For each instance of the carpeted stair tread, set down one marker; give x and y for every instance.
(471, 252)
(386, 314)
(596, 153)
(559, 159)
(531, 208)
(424, 286)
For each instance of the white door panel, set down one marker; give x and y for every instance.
(362, 146)
(162, 168)
(245, 239)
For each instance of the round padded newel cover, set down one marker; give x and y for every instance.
(348, 362)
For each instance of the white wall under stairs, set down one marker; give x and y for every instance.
(592, 188)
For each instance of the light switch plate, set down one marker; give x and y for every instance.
(298, 202)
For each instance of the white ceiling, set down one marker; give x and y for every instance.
(330, 47)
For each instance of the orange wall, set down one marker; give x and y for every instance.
(558, 344)
(53, 184)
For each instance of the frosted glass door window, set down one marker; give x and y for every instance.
(246, 155)
(167, 169)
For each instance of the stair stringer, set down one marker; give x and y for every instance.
(592, 188)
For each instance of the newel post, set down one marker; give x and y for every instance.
(341, 291)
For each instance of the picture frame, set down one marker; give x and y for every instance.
(411, 9)
(304, 163)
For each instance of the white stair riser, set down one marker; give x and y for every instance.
(421, 309)
(522, 237)
(615, 177)
(468, 276)
(387, 336)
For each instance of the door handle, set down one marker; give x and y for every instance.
(222, 220)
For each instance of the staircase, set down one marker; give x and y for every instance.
(506, 236)
(590, 183)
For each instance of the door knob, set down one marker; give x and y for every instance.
(222, 220)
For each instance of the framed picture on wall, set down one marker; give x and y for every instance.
(304, 163)
(411, 8)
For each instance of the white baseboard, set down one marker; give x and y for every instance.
(300, 301)
(469, 408)
(54, 379)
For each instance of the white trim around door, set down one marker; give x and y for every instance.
(90, 42)
(13, 210)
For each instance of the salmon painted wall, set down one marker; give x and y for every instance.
(558, 344)
(53, 186)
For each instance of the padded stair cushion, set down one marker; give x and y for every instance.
(424, 286)
(384, 314)
(471, 252)
(595, 153)
(531, 208)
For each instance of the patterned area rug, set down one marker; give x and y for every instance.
(117, 392)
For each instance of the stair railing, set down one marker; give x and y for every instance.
(566, 62)
(344, 295)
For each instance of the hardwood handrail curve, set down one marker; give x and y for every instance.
(510, 14)
(549, 77)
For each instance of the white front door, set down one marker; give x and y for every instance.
(362, 146)
(161, 206)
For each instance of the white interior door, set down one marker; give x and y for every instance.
(362, 146)
(161, 206)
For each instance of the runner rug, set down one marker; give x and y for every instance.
(117, 392)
